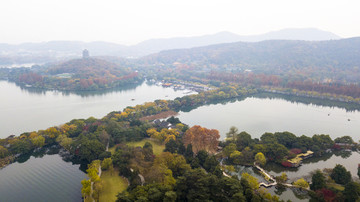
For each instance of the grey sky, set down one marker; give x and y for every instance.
(132, 21)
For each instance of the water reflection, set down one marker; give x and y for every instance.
(42, 176)
(90, 93)
(350, 107)
(24, 110)
(349, 159)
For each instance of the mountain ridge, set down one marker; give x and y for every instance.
(53, 50)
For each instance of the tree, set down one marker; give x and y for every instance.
(153, 133)
(323, 141)
(286, 138)
(3, 152)
(52, 132)
(243, 140)
(301, 183)
(253, 182)
(171, 146)
(160, 173)
(86, 188)
(175, 162)
(352, 191)
(202, 139)
(22, 146)
(93, 171)
(98, 187)
(169, 134)
(229, 149)
(173, 120)
(260, 159)
(232, 133)
(104, 137)
(276, 152)
(282, 178)
(64, 141)
(210, 163)
(170, 196)
(107, 164)
(317, 180)
(38, 141)
(90, 149)
(202, 155)
(340, 174)
(236, 157)
(189, 152)
(344, 139)
(148, 151)
(268, 138)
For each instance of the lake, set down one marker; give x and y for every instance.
(348, 159)
(46, 178)
(257, 115)
(273, 113)
(31, 109)
(26, 110)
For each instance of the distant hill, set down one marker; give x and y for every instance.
(339, 59)
(87, 68)
(308, 34)
(55, 50)
(75, 74)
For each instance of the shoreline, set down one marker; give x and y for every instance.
(6, 161)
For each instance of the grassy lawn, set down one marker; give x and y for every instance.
(157, 148)
(336, 186)
(113, 184)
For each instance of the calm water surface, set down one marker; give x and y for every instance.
(259, 115)
(47, 178)
(26, 110)
(349, 160)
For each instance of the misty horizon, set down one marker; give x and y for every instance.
(191, 36)
(132, 22)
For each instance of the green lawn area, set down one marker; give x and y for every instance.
(157, 148)
(112, 185)
(336, 186)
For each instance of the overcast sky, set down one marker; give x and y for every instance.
(132, 21)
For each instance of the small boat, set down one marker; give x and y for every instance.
(132, 99)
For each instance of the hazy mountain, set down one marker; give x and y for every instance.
(340, 57)
(341, 52)
(308, 34)
(53, 50)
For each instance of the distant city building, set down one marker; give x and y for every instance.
(85, 53)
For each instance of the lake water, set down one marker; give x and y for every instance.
(349, 160)
(259, 115)
(49, 178)
(26, 110)
(46, 178)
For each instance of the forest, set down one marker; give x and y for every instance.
(76, 74)
(191, 155)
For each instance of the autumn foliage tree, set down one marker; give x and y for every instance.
(202, 139)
